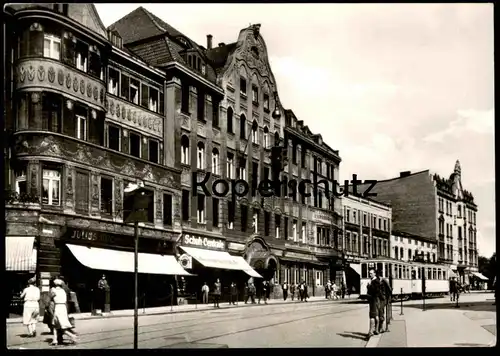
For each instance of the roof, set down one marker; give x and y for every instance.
(218, 56)
(416, 237)
(406, 176)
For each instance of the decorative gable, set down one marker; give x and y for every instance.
(86, 14)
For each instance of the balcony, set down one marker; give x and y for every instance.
(51, 75)
(133, 116)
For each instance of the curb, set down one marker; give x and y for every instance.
(93, 317)
(374, 340)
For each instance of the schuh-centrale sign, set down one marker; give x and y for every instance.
(203, 241)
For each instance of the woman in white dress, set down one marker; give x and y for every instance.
(61, 320)
(31, 308)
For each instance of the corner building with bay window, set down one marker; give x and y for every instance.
(85, 117)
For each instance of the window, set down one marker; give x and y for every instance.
(51, 112)
(81, 55)
(201, 106)
(52, 46)
(294, 230)
(134, 91)
(21, 185)
(266, 137)
(396, 253)
(215, 161)
(401, 253)
(185, 205)
(167, 209)
(243, 123)
(81, 122)
(242, 172)
(266, 102)
(267, 222)
(409, 255)
(255, 133)
(244, 217)
(255, 94)
(229, 116)
(230, 215)
(114, 137)
(255, 174)
(379, 223)
(153, 95)
(200, 162)
(185, 150)
(201, 209)
(266, 173)
(230, 165)
(215, 113)
(364, 220)
(347, 215)
(385, 225)
(82, 192)
(243, 86)
(286, 228)
(154, 150)
(304, 232)
(386, 244)
(215, 212)
(354, 217)
(185, 98)
(277, 223)
(51, 187)
(106, 196)
(113, 81)
(255, 221)
(95, 65)
(135, 144)
(203, 69)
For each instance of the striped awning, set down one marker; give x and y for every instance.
(20, 253)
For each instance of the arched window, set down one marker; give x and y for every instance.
(215, 161)
(255, 132)
(243, 125)
(230, 120)
(201, 156)
(276, 138)
(185, 150)
(401, 253)
(266, 137)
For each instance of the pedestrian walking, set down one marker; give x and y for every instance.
(301, 292)
(234, 294)
(343, 289)
(293, 288)
(335, 291)
(373, 291)
(61, 320)
(31, 308)
(386, 305)
(284, 287)
(217, 293)
(262, 292)
(48, 314)
(204, 293)
(103, 289)
(328, 289)
(306, 292)
(251, 293)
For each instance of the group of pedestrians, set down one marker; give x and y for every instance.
(295, 290)
(56, 310)
(379, 294)
(251, 293)
(332, 290)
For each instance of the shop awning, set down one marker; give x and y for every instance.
(480, 276)
(356, 267)
(123, 261)
(20, 253)
(220, 259)
(451, 274)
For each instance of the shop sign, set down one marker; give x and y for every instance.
(190, 240)
(298, 255)
(321, 217)
(93, 236)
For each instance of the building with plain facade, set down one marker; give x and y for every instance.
(367, 227)
(408, 247)
(428, 205)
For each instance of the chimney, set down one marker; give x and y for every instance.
(404, 174)
(222, 44)
(209, 41)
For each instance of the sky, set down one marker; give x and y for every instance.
(393, 87)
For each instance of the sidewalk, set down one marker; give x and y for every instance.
(473, 324)
(186, 308)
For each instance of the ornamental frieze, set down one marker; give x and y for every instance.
(40, 73)
(131, 115)
(91, 156)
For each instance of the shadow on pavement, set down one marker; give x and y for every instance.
(354, 335)
(471, 345)
(469, 306)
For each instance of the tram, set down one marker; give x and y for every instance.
(408, 278)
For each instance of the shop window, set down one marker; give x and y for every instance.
(243, 123)
(277, 224)
(135, 144)
(81, 55)
(200, 162)
(255, 133)
(185, 205)
(255, 221)
(113, 81)
(201, 209)
(106, 196)
(185, 150)
(52, 46)
(81, 115)
(230, 166)
(114, 137)
(255, 95)
(230, 215)
(167, 209)
(215, 212)
(229, 117)
(21, 185)
(82, 187)
(51, 112)
(215, 161)
(244, 217)
(243, 86)
(266, 102)
(185, 98)
(154, 150)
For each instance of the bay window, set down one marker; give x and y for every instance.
(114, 138)
(135, 144)
(81, 55)
(52, 46)
(113, 81)
(81, 115)
(95, 65)
(51, 187)
(51, 112)
(21, 185)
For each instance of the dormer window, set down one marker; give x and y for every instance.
(203, 69)
(115, 39)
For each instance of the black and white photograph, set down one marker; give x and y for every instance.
(249, 175)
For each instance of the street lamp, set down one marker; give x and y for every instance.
(140, 202)
(276, 113)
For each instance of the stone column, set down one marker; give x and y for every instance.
(171, 123)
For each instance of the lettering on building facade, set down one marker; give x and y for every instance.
(206, 242)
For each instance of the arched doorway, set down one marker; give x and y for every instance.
(258, 255)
